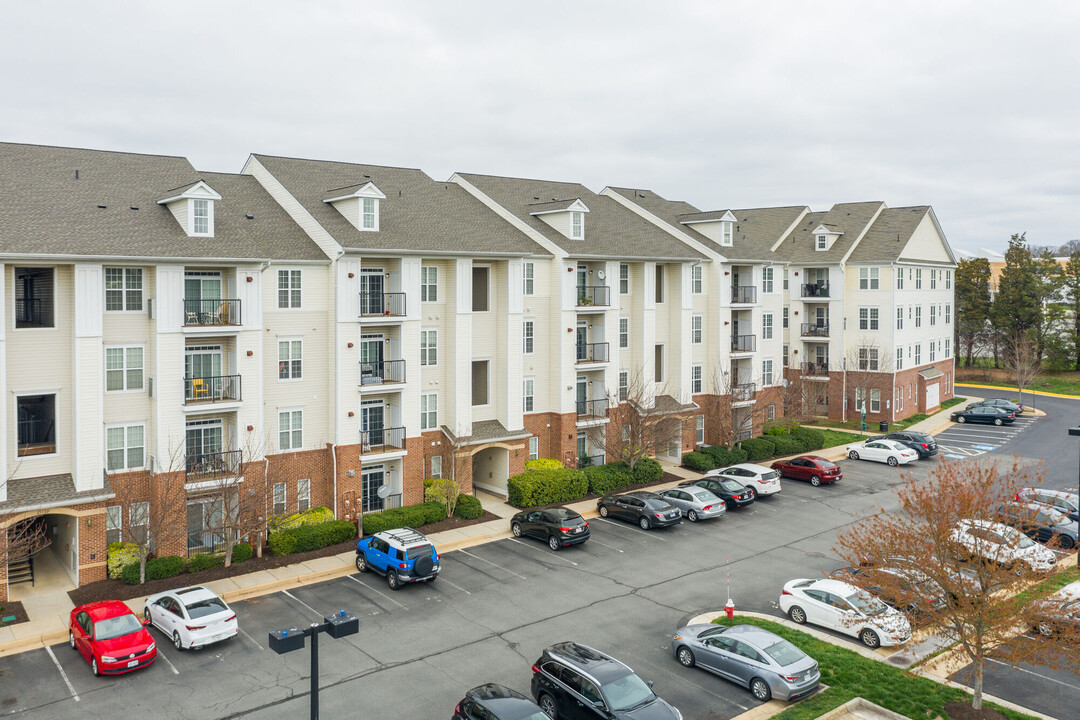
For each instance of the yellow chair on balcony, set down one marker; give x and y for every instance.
(200, 389)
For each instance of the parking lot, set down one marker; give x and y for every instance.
(970, 440)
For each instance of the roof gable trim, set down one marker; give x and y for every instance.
(198, 191)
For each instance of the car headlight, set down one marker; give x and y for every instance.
(678, 715)
(106, 658)
(152, 646)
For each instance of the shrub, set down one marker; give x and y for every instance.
(468, 507)
(777, 430)
(311, 537)
(813, 439)
(205, 561)
(698, 461)
(311, 516)
(786, 445)
(543, 464)
(647, 470)
(165, 567)
(604, 479)
(409, 516)
(757, 449)
(120, 555)
(130, 573)
(738, 455)
(542, 487)
(241, 552)
(445, 491)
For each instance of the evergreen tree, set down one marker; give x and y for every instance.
(972, 303)
(1017, 306)
(1071, 287)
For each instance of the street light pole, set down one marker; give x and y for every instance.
(1075, 432)
(289, 639)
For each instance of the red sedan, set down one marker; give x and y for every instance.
(816, 469)
(110, 637)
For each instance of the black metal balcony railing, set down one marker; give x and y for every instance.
(386, 304)
(592, 408)
(593, 295)
(743, 343)
(812, 290)
(218, 388)
(207, 541)
(743, 392)
(743, 435)
(592, 352)
(816, 369)
(382, 440)
(743, 294)
(28, 312)
(382, 371)
(215, 463)
(590, 461)
(211, 312)
(36, 436)
(373, 503)
(815, 330)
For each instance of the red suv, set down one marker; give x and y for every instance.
(110, 637)
(816, 469)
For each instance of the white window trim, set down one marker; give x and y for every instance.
(124, 370)
(290, 341)
(622, 320)
(305, 496)
(423, 284)
(772, 372)
(375, 213)
(525, 382)
(284, 498)
(697, 334)
(125, 427)
(528, 276)
(289, 288)
(727, 233)
(209, 217)
(821, 242)
(531, 324)
(577, 225)
(700, 380)
(290, 411)
(124, 290)
(425, 413)
(697, 280)
(628, 287)
(768, 280)
(425, 353)
(699, 429)
(436, 472)
(534, 448)
(770, 326)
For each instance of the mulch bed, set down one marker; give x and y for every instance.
(964, 711)
(118, 590)
(9, 608)
(664, 479)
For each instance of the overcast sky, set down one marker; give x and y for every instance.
(972, 107)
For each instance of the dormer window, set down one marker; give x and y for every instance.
(727, 234)
(193, 207)
(577, 225)
(822, 242)
(359, 204)
(200, 217)
(370, 214)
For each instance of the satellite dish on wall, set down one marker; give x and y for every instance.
(601, 274)
(384, 491)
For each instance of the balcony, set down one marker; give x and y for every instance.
(590, 461)
(382, 372)
(382, 304)
(220, 388)
(29, 314)
(741, 435)
(743, 294)
(374, 503)
(593, 352)
(816, 369)
(211, 313)
(815, 330)
(743, 343)
(815, 290)
(743, 392)
(382, 440)
(593, 295)
(216, 464)
(592, 408)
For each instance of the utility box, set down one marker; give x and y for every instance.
(287, 640)
(342, 625)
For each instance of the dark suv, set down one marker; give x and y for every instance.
(576, 682)
(403, 556)
(920, 442)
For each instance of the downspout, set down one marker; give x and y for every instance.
(337, 373)
(333, 453)
(843, 390)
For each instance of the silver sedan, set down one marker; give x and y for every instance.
(696, 503)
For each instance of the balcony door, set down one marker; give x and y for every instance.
(371, 359)
(582, 340)
(582, 280)
(371, 291)
(372, 421)
(371, 479)
(202, 285)
(203, 441)
(202, 362)
(821, 316)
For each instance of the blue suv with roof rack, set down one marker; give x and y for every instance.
(403, 555)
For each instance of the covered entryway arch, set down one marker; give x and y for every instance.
(491, 468)
(43, 559)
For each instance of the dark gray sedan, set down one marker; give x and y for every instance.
(696, 503)
(750, 656)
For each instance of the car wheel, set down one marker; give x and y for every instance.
(1066, 542)
(176, 640)
(1044, 629)
(516, 529)
(644, 523)
(961, 419)
(603, 511)
(553, 543)
(71, 640)
(761, 690)
(853, 455)
(797, 615)
(999, 422)
(692, 516)
(547, 704)
(392, 580)
(870, 638)
(361, 563)
(815, 481)
(753, 493)
(686, 656)
(94, 668)
(146, 614)
(892, 461)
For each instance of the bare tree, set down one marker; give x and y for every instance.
(24, 538)
(866, 369)
(240, 509)
(1021, 361)
(726, 425)
(643, 424)
(803, 399)
(965, 588)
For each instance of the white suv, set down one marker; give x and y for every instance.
(758, 479)
(1002, 544)
(1065, 502)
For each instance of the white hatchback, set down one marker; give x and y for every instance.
(191, 617)
(845, 608)
(886, 451)
(1002, 544)
(758, 479)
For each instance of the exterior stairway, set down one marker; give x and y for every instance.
(21, 570)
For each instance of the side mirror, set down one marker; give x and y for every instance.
(146, 621)
(649, 683)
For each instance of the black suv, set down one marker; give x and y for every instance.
(576, 682)
(920, 442)
(495, 702)
(558, 527)
(647, 509)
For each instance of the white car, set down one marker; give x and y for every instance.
(192, 617)
(758, 479)
(886, 451)
(845, 608)
(1002, 544)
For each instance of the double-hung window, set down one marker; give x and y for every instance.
(822, 242)
(290, 429)
(766, 326)
(527, 392)
(947, 350)
(370, 213)
(932, 351)
(695, 378)
(948, 279)
(429, 411)
(288, 289)
(695, 329)
(933, 279)
(528, 278)
(785, 317)
(767, 277)
(527, 336)
(900, 279)
(200, 215)
(113, 524)
(899, 358)
(290, 359)
(125, 447)
(918, 316)
(868, 318)
(577, 225)
(918, 353)
(933, 314)
(624, 385)
(918, 278)
(123, 368)
(279, 498)
(875, 400)
(624, 279)
(123, 289)
(303, 494)
(624, 332)
(868, 278)
(429, 283)
(696, 282)
(767, 372)
(948, 314)
(868, 358)
(534, 448)
(699, 429)
(899, 318)
(429, 347)
(436, 466)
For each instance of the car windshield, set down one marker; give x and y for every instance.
(115, 627)
(769, 475)
(418, 551)
(866, 603)
(731, 486)
(656, 503)
(627, 692)
(202, 608)
(784, 653)
(1022, 541)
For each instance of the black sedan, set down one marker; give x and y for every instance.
(920, 442)
(496, 702)
(1002, 403)
(733, 493)
(647, 509)
(558, 527)
(983, 414)
(1043, 524)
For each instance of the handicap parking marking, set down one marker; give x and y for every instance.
(63, 674)
(987, 448)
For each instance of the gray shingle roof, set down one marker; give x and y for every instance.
(611, 231)
(754, 233)
(49, 491)
(552, 206)
(889, 234)
(45, 210)
(848, 218)
(418, 215)
(486, 431)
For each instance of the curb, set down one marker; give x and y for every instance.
(1030, 392)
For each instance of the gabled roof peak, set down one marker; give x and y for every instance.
(365, 189)
(197, 190)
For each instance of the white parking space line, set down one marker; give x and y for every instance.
(1032, 672)
(62, 674)
(633, 528)
(251, 639)
(689, 677)
(610, 547)
(164, 657)
(549, 553)
(457, 587)
(314, 612)
(380, 592)
(477, 557)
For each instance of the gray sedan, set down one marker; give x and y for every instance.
(696, 503)
(754, 658)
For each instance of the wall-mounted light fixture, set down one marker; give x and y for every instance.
(250, 353)
(250, 428)
(351, 413)
(350, 344)
(250, 279)
(352, 275)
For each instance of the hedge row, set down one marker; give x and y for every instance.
(542, 487)
(168, 566)
(774, 443)
(604, 479)
(468, 507)
(156, 569)
(409, 516)
(311, 537)
(311, 516)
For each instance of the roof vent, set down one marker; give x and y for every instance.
(536, 197)
(76, 174)
(101, 206)
(368, 177)
(134, 207)
(249, 216)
